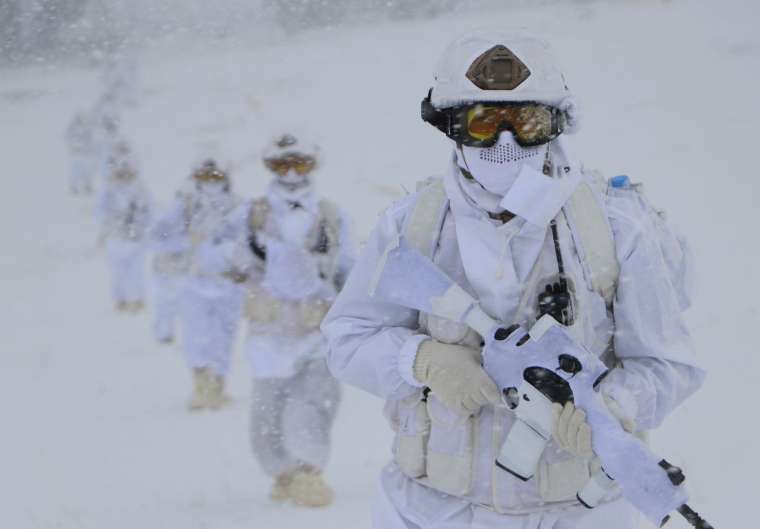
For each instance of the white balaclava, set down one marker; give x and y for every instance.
(294, 182)
(496, 168)
(216, 193)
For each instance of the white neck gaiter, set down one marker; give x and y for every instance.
(293, 181)
(495, 169)
(216, 193)
(286, 195)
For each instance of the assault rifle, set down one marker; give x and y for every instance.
(534, 369)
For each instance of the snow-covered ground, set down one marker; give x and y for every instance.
(93, 429)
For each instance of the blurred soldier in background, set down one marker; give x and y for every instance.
(172, 258)
(209, 301)
(79, 141)
(121, 78)
(105, 131)
(124, 213)
(294, 247)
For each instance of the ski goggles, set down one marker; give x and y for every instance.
(480, 124)
(210, 175)
(299, 163)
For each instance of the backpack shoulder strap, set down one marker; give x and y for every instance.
(257, 219)
(592, 234)
(259, 213)
(328, 213)
(188, 206)
(326, 234)
(423, 225)
(324, 239)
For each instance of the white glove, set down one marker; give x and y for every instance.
(573, 433)
(240, 255)
(455, 376)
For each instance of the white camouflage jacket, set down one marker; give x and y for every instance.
(291, 277)
(124, 210)
(372, 344)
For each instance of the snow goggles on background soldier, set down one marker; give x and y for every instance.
(479, 125)
(299, 163)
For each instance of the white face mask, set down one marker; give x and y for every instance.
(496, 168)
(214, 190)
(292, 180)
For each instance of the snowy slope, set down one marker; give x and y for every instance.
(94, 433)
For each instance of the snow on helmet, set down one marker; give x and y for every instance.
(498, 66)
(286, 146)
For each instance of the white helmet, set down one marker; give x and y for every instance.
(209, 171)
(489, 81)
(292, 161)
(285, 145)
(498, 66)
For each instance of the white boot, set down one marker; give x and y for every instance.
(308, 489)
(135, 306)
(216, 398)
(280, 486)
(200, 396)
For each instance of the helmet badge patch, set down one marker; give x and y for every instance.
(286, 140)
(498, 69)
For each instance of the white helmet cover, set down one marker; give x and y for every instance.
(528, 71)
(285, 145)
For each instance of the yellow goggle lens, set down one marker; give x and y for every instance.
(529, 122)
(300, 164)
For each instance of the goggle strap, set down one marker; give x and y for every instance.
(440, 119)
(444, 119)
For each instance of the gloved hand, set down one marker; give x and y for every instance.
(573, 433)
(455, 376)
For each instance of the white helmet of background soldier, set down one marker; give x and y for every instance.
(210, 179)
(502, 99)
(291, 160)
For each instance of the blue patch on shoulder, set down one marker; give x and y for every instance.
(620, 181)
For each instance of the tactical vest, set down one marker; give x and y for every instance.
(323, 239)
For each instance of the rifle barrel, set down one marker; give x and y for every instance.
(693, 517)
(557, 251)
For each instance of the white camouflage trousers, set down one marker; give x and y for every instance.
(209, 317)
(291, 419)
(81, 170)
(166, 292)
(127, 262)
(402, 503)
